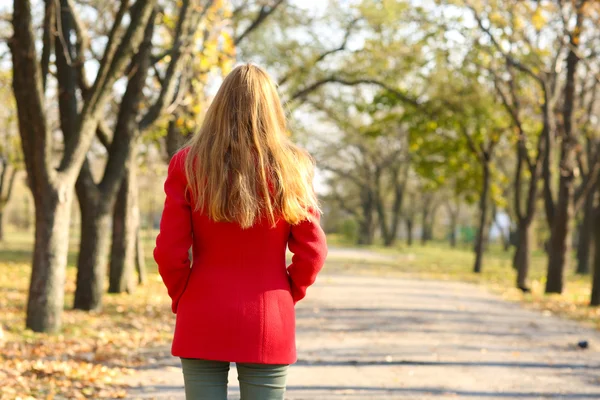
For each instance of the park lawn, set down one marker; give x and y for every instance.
(439, 261)
(94, 351)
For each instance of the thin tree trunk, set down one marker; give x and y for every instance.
(1, 225)
(5, 195)
(366, 233)
(453, 213)
(175, 138)
(562, 215)
(46, 289)
(140, 259)
(92, 260)
(124, 252)
(93, 248)
(560, 243)
(424, 226)
(409, 231)
(521, 260)
(595, 299)
(453, 223)
(483, 204)
(586, 233)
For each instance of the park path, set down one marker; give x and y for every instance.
(362, 337)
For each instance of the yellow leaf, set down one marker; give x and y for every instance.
(538, 19)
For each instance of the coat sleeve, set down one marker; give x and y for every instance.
(175, 238)
(309, 247)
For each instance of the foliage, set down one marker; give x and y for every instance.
(93, 354)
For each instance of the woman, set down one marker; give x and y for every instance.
(238, 194)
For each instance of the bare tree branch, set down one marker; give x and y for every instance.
(49, 15)
(104, 134)
(323, 55)
(183, 40)
(110, 49)
(354, 82)
(263, 14)
(110, 70)
(29, 95)
(510, 59)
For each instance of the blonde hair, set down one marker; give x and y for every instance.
(241, 166)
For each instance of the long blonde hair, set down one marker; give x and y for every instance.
(241, 166)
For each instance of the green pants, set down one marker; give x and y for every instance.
(207, 380)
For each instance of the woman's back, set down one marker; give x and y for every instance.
(238, 195)
(236, 302)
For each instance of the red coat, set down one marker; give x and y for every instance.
(235, 301)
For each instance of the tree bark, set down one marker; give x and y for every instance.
(175, 138)
(6, 189)
(409, 231)
(52, 187)
(140, 259)
(124, 252)
(424, 225)
(97, 200)
(483, 204)
(389, 232)
(595, 298)
(93, 252)
(521, 259)
(586, 235)
(46, 289)
(366, 234)
(563, 211)
(366, 225)
(560, 241)
(1, 225)
(453, 212)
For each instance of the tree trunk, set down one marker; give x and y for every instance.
(366, 226)
(175, 137)
(595, 299)
(46, 289)
(1, 225)
(140, 259)
(453, 227)
(586, 233)
(521, 259)
(560, 241)
(424, 226)
(562, 214)
(124, 252)
(409, 231)
(483, 204)
(366, 233)
(94, 245)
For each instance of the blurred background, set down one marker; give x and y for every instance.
(461, 135)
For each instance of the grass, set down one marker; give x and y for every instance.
(439, 261)
(95, 351)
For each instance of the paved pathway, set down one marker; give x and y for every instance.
(363, 337)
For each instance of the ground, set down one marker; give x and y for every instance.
(392, 337)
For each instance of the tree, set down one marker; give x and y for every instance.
(560, 213)
(595, 297)
(589, 126)
(10, 157)
(367, 160)
(526, 82)
(52, 186)
(97, 199)
(7, 182)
